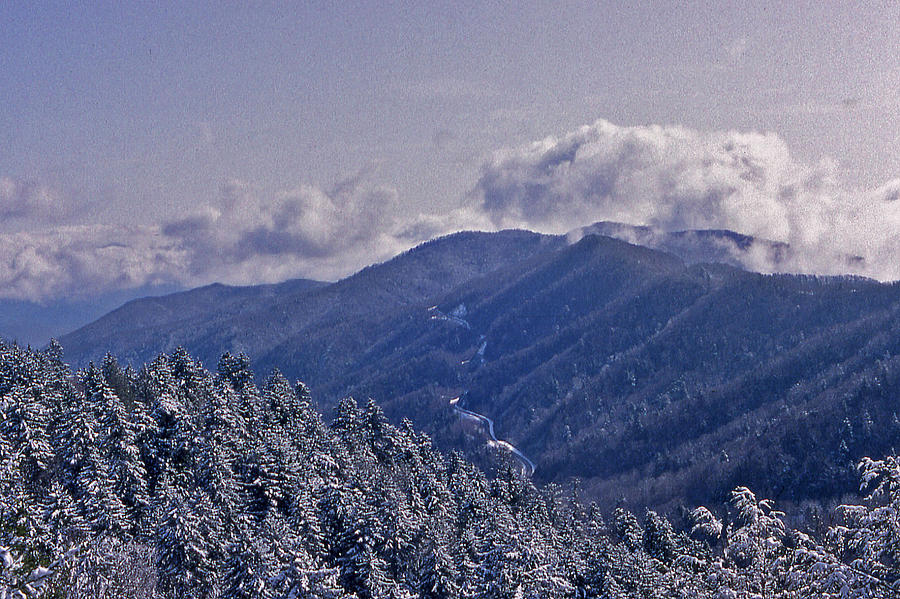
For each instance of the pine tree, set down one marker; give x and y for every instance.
(188, 545)
(235, 370)
(83, 469)
(659, 538)
(169, 433)
(245, 574)
(627, 528)
(436, 576)
(120, 453)
(303, 577)
(869, 535)
(24, 427)
(65, 524)
(223, 439)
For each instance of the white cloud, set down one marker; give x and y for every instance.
(674, 178)
(79, 261)
(303, 230)
(242, 238)
(671, 178)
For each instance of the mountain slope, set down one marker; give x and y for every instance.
(216, 319)
(694, 246)
(652, 380)
(656, 379)
(33, 323)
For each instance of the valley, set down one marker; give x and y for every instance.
(488, 424)
(651, 377)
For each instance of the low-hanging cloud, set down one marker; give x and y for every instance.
(244, 237)
(670, 178)
(79, 261)
(675, 178)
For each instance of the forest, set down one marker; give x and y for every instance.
(174, 482)
(654, 380)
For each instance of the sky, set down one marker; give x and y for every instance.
(185, 143)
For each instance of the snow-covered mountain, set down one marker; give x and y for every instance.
(649, 374)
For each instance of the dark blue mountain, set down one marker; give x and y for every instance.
(655, 377)
(35, 323)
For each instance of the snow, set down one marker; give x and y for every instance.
(453, 317)
(527, 465)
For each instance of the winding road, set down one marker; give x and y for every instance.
(527, 465)
(456, 317)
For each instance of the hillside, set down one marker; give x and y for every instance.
(251, 320)
(695, 246)
(173, 482)
(35, 323)
(655, 379)
(145, 327)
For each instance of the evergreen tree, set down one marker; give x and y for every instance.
(82, 465)
(235, 370)
(659, 538)
(188, 546)
(236, 506)
(25, 424)
(120, 453)
(245, 573)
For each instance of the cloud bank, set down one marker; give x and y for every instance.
(674, 178)
(669, 178)
(243, 237)
(80, 261)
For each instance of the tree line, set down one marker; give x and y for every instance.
(172, 481)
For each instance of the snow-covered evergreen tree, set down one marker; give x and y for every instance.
(179, 483)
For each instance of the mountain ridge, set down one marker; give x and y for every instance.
(389, 280)
(646, 374)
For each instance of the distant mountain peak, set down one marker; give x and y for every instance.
(696, 245)
(720, 246)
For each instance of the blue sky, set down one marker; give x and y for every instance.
(139, 141)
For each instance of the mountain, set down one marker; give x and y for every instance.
(701, 246)
(34, 323)
(215, 319)
(693, 246)
(655, 378)
(140, 329)
(655, 381)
